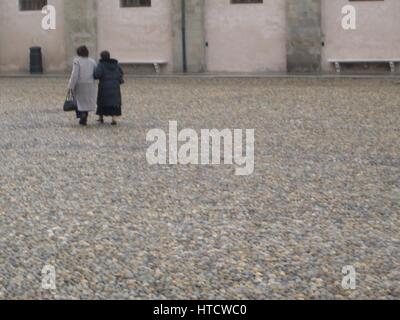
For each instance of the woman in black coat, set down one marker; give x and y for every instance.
(111, 77)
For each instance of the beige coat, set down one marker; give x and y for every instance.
(83, 84)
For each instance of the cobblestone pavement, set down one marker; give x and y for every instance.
(325, 193)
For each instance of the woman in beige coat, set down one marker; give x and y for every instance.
(82, 84)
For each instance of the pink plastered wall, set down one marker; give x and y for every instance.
(245, 37)
(376, 36)
(136, 33)
(20, 30)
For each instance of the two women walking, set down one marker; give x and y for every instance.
(109, 100)
(82, 83)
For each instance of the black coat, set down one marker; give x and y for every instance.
(111, 77)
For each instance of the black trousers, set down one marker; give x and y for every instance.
(82, 114)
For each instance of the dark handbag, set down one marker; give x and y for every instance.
(70, 103)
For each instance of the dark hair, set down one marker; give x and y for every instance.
(105, 55)
(83, 51)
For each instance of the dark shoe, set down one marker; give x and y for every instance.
(83, 121)
(101, 120)
(114, 123)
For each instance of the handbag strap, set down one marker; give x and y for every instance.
(70, 95)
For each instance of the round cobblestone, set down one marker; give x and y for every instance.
(325, 193)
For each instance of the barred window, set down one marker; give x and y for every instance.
(32, 5)
(246, 1)
(135, 3)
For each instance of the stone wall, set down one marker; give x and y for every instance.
(275, 36)
(188, 18)
(177, 45)
(80, 27)
(195, 41)
(304, 41)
